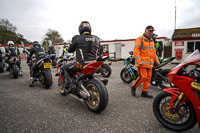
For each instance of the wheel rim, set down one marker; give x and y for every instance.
(94, 101)
(42, 79)
(126, 76)
(60, 86)
(104, 71)
(181, 116)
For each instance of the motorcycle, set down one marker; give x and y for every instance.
(178, 108)
(129, 72)
(105, 70)
(53, 59)
(159, 76)
(43, 73)
(13, 66)
(90, 89)
(2, 63)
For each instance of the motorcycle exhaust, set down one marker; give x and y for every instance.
(84, 93)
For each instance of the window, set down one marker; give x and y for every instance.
(197, 45)
(190, 46)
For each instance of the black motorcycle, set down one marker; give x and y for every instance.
(43, 73)
(13, 66)
(105, 70)
(2, 63)
(159, 75)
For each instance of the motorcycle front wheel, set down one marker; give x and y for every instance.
(182, 119)
(61, 87)
(106, 70)
(126, 76)
(1, 67)
(14, 70)
(99, 95)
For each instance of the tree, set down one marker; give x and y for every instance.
(54, 36)
(8, 33)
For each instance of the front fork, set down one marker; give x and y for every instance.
(130, 70)
(175, 102)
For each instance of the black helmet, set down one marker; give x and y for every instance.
(35, 43)
(154, 36)
(85, 27)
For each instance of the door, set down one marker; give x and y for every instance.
(118, 50)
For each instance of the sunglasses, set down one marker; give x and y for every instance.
(150, 30)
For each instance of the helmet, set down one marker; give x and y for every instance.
(154, 36)
(51, 47)
(10, 44)
(85, 27)
(35, 43)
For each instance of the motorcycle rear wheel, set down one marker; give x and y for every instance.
(99, 95)
(172, 120)
(46, 79)
(126, 76)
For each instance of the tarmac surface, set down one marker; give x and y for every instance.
(25, 109)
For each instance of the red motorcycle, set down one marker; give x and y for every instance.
(90, 89)
(178, 108)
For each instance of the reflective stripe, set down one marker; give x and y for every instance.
(148, 47)
(146, 39)
(137, 58)
(149, 63)
(140, 37)
(137, 45)
(156, 56)
(142, 43)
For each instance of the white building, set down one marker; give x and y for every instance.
(119, 49)
(184, 42)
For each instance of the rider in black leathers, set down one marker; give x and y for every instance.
(86, 47)
(51, 50)
(13, 51)
(39, 52)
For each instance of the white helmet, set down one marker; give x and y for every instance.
(10, 43)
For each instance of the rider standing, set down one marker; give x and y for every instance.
(86, 47)
(39, 52)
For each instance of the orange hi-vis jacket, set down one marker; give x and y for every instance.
(145, 52)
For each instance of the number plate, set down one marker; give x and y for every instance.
(47, 65)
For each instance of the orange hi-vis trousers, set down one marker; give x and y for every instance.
(144, 76)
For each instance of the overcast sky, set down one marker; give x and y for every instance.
(110, 19)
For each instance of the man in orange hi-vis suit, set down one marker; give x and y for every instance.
(145, 56)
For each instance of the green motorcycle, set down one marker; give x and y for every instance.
(129, 72)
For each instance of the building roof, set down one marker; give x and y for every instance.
(186, 34)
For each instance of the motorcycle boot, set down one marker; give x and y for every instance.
(20, 72)
(146, 95)
(133, 90)
(31, 82)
